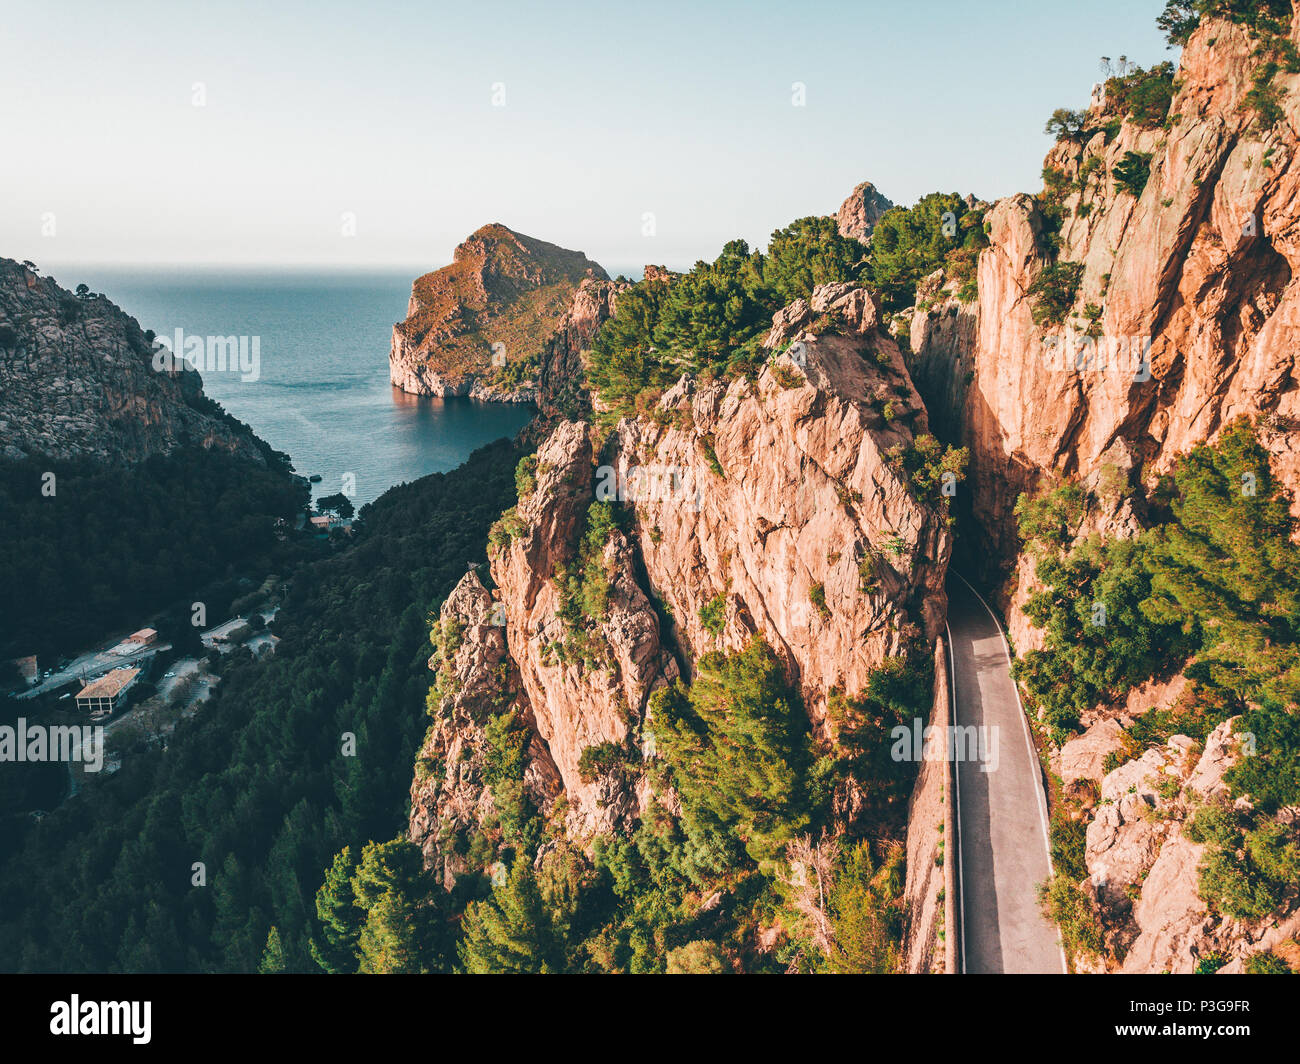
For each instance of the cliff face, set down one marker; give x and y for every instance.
(1193, 316)
(789, 509)
(778, 501)
(77, 380)
(1185, 318)
(596, 693)
(481, 326)
(477, 681)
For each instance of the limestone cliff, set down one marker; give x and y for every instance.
(482, 326)
(1178, 310)
(78, 380)
(798, 516)
(782, 504)
(585, 688)
(1184, 316)
(477, 681)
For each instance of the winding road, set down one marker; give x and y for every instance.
(1002, 842)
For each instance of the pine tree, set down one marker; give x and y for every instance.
(511, 931)
(273, 959)
(396, 896)
(736, 745)
(1228, 569)
(865, 912)
(390, 939)
(340, 921)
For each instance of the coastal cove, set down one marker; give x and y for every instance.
(320, 391)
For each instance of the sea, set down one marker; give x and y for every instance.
(320, 390)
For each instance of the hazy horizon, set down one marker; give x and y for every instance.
(154, 138)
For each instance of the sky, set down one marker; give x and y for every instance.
(383, 133)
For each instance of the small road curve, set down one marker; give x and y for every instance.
(1002, 847)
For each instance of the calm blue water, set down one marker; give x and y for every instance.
(322, 394)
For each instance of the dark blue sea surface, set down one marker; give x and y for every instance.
(321, 392)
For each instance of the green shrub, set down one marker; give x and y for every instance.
(817, 596)
(1071, 910)
(1052, 517)
(866, 913)
(1065, 123)
(1266, 964)
(600, 760)
(584, 586)
(1143, 96)
(1264, 97)
(1054, 291)
(1051, 203)
(1210, 963)
(713, 614)
(928, 466)
(1131, 172)
(1068, 843)
(507, 527)
(526, 476)
(711, 456)
(898, 691)
(700, 957)
(1180, 18)
(1252, 862)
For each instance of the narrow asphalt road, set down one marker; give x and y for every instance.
(1001, 810)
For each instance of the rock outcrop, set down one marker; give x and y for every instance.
(789, 503)
(78, 380)
(1196, 308)
(1144, 869)
(782, 503)
(860, 212)
(596, 693)
(477, 681)
(482, 326)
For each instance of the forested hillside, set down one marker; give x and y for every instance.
(105, 547)
(259, 787)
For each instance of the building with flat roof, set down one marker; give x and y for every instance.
(103, 696)
(136, 642)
